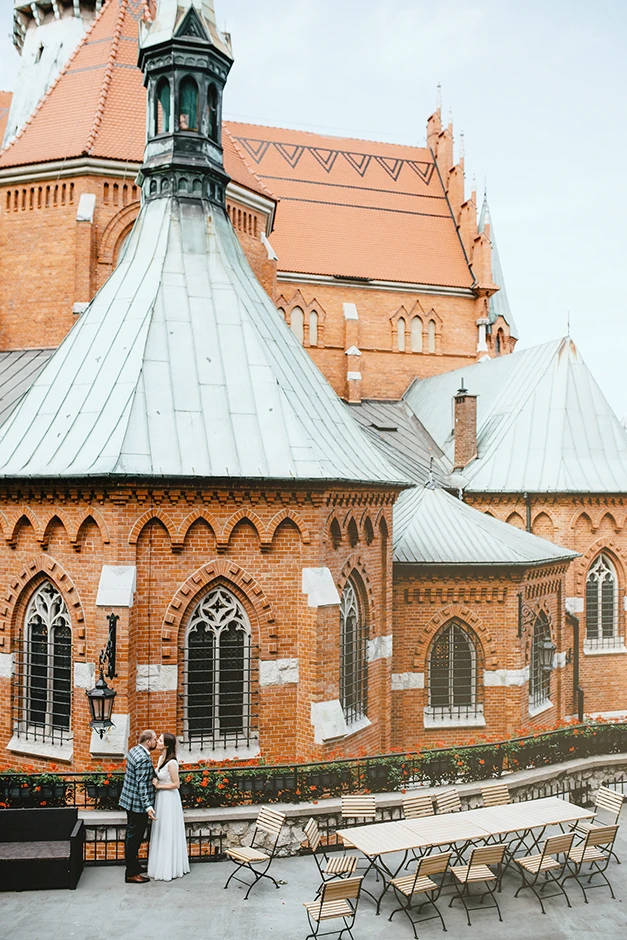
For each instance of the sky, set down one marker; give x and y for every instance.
(538, 91)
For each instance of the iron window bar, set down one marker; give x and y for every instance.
(601, 602)
(539, 675)
(353, 655)
(453, 669)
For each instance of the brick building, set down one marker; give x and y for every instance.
(181, 462)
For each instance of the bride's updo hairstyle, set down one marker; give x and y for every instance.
(170, 747)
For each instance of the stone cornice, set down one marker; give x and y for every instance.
(294, 277)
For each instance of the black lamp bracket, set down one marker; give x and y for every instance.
(107, 655)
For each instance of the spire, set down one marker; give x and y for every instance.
(499, 303)
(186, 62)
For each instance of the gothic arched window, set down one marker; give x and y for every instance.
(353, 654)
(539, 672)
(188, 105)
(218, 661)
(416, 334)
(401, 334)
(313, 328)
(212, 112)
(163, 107)
(297, 323)
(601, 601)
(46, 667)
(431, 336)
(453, 674)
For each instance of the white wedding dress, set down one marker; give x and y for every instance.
(167, 858)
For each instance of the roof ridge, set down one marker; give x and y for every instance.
(108, 75)
(63, 71)
(361, 140)
(241, 155)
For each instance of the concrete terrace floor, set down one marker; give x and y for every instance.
(197, 907)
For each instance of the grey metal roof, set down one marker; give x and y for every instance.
(499, 303)
(431, 527)
(18, 370)
(543, 424)
(182, 366)
(403, 439)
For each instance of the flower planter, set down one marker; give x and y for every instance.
(259, 785)
(378, 776)
(283, 782)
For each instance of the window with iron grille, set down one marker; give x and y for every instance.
(353, 654)
(217, 694)
(539, 674)
(453, 691)
(44, 669)
(601, 602)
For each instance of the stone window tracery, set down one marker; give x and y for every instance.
(601, 602)
(217, 673)
(353, 654)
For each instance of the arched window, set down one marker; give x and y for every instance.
(416, 334)
(297, 323)
(212, 112)
(453, 684)
(368, 531)
(353, 654)
(46, 668)
(431, 336)
(217, 672)
(313, 328)
(601, 602)
(336, 534)
(163, 107)
(353, 533)
(539, 671)
(188, 107)
(401, 334)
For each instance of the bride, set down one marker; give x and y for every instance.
(167, 858)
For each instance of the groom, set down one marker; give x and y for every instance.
(137, 799)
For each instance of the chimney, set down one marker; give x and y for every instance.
(465, 408)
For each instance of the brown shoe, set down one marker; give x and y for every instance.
(136, 879)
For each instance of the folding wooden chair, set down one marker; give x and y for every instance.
(479, 870)
(337, 866)
(421, 887)
(596, 852)
(261, 851)
(548, 866)
(357, 809)
(417, 807)
(495, 794)
(338, 900)
(608, 805)
(448, 801)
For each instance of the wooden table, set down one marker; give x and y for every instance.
(378, 840)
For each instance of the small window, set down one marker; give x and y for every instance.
(297, 323)
(431, 336)
(368, 532)
(401, 335)
(354, 654)
(353, 533)
(313, 328)
(416, 335)
(188, 110)
(539, 674)
(163, 107)
(212, 112)
(453, 686)
(336, 534)
(601, 602)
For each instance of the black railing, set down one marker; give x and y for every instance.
(104, 845)
(257, 783)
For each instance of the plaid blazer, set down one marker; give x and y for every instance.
(138, 793)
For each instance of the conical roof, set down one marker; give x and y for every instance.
(499, 302)
(182, 366)
(431, 527)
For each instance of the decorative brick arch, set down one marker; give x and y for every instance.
(21, 585)
(148, 516)
(355, 562)
(13, 526)
(608, 547)
(366, 516)
(78, 521)
(115, 230)
(326, 534)
(178, 537)
(280, 517)
(219, 570)
(514, 519)
(467, 616)
(239, 516)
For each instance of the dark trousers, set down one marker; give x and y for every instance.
(135, 829)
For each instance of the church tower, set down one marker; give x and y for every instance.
(45, 33)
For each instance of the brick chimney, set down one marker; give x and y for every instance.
(465, 408)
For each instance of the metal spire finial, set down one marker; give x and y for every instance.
(438, 98)
(431, 484)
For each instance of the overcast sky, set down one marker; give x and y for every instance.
(539, 90)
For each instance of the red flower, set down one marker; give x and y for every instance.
(204, 783)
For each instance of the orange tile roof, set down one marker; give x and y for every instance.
(346, 207)
(5, 104)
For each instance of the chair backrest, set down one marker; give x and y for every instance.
(603, 835)
(312, 834)
(415, 807)
(433, 864)
(37, 825)
(270, 822)
(359, 806)
(609, 802)
(556, 845)
(341, 889)
(495, 794)
(448, 801)
(487, 855)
